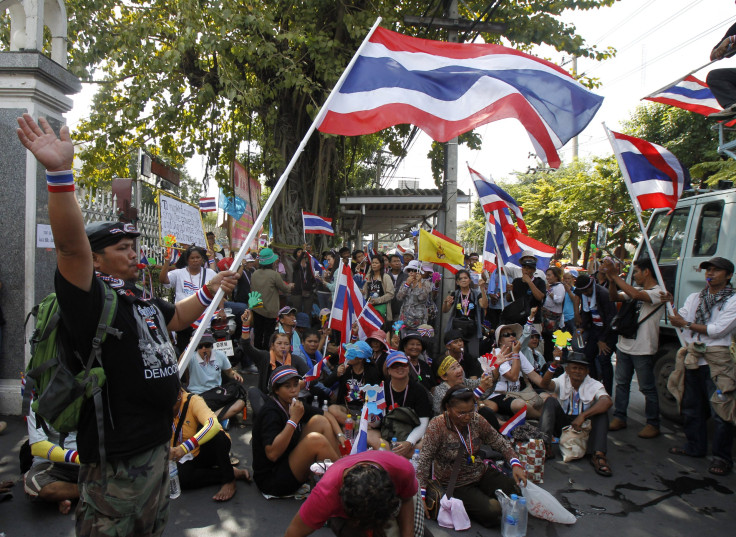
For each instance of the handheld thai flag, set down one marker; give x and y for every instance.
(500, 232)
(447, 89)
(689, 94)
(369, 319)
(317, 269)
(196, 323)
(346, 307)
(319, 225)
(207, 205)
(315, 372)
(654, 176)
(517, 419)
(542, 252)
(493, 197)
(360, 443)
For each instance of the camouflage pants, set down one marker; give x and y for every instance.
(134, 501)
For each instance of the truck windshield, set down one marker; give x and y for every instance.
(666, 233)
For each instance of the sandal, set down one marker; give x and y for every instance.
(681, 451)
(720, 467)
(600, 465)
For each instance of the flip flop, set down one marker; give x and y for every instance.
(720, 467)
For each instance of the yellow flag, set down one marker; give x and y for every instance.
(437, 250)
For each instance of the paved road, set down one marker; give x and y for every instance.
(651, 493)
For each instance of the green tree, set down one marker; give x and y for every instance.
(205, 76)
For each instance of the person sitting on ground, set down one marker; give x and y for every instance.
(287, 325)
(402, 392)
(377, 341)
(413, 345)
(455, 347)
(578, 397)
(459, 432)
(363, 495)
(452, 374)
(201, 448)
(515, 374)
(207, 370)
(312, 342)
(55, 470)
(278, 353)
(351, 377)
(289, 437)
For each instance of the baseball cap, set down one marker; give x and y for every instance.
(302, 320)
(582, 283)
(104, 234)
(413, 265)
(718, 262)
(396, 357)
(249, 258)
(280, 375)
(207, 337)
(286, 310)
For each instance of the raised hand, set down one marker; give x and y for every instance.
(55, 153)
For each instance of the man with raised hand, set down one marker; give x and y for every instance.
(129, 495)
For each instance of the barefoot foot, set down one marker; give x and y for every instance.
(243, 475)
(225, 493)
(65, 506)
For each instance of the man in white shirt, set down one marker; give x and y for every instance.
(637, 352)
(709, 320)
(577, 397)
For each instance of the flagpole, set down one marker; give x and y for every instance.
(498, 258)
(660, 90)
(272, 200)
(304, 229)
(645, 235)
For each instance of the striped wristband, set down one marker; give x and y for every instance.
(203, 298)
(551, 368)
(515, 462)
(189, 445)
(478, 393)
(292, 423)
(60, 181)
(246, 330)
(71, 456)
(424, 493)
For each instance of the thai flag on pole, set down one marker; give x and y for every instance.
(489, 253)
(317, 269)
(449, 266)
(207, 205)
(542, 252)
(500, 226)
(517, 419)
(689, 94)
(315, 372)
(314, 223)
(492, 197)
(654, 176)
(360, 443)
(447, 89)
(369, 319)
(196, 323)
(346, 307)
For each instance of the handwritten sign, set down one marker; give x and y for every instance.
(180, 219)
(44, 238)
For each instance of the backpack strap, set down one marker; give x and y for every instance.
(182, 419)
(655, 310)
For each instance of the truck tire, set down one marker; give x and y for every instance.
(664, 365)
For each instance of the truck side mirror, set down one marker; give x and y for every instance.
(601, 236)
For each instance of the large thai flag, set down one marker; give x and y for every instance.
(517, 419)
(449, 266)
(500, 226)
(314, 223)
(447, 89)
(360, 442)
(492, 197)
(689, 94)
(654, 175)
(347, 306)
(542, 252)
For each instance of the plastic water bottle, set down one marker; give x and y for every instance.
(415, 459)
(315, 403)
(174, 488)
(523, 516)
(514, 515)
(325, 407)
(349, 426)
(720, 396)
(394, 443)
(509, 527)
(383, 447)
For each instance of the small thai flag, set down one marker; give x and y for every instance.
(175, 254)
(151, 324)
(314, 223)
(317, 269)
(517, 419)
(370, 319)
(207, 205)
(315, 372)
(381, 398)
(360, 444)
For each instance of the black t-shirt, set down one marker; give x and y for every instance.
(375, 288)
(242, 289)
(471, 365)
(521, 289)
(425, 372)
(270, 421)
(349, 392)
(141, 369)
(417, 398)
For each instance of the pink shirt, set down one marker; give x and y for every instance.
(324, 501)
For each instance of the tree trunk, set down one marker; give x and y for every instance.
(574, 249)
(587, 244)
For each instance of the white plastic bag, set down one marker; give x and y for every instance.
(574, 444)
(452, 514)
(542, 504)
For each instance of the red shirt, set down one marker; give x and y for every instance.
(324, 501)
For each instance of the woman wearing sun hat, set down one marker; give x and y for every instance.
(268, 283)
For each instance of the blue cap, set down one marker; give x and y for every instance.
(396, 357)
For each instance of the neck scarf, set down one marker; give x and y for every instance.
(276, 360)
(708, 301)
(130, 290)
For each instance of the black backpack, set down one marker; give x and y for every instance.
(626, 323)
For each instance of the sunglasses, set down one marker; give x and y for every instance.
(399, 365)
(204, 346)
(507, 334)
(411, 270)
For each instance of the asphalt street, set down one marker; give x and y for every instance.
(650, 493)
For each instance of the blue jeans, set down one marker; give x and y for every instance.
(696, 409)
(644, 366)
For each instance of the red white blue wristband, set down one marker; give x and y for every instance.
(515, 462)
(71, 455)
(189, 445)
(424, 493)
(292, 423)
(203, 298)
(551, 368)
(62, 181)
(246, 330)
(478, 393)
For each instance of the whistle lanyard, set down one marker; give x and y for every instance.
(288, 416)
(417, 370)
(391, 392)
(471, 457)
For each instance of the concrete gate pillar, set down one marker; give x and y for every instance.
(30, 83)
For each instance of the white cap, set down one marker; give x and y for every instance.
(413, 265)
(427, 267)
(248, 258)
(408, 251)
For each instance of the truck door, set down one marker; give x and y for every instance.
(667, 233)
(703, 243)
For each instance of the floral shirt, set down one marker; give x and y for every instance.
(414, 303)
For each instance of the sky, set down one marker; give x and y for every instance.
(658, 41)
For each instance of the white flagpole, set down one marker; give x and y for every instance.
(660, 90)
(271, 200)
(499, 259)
(645, 235)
